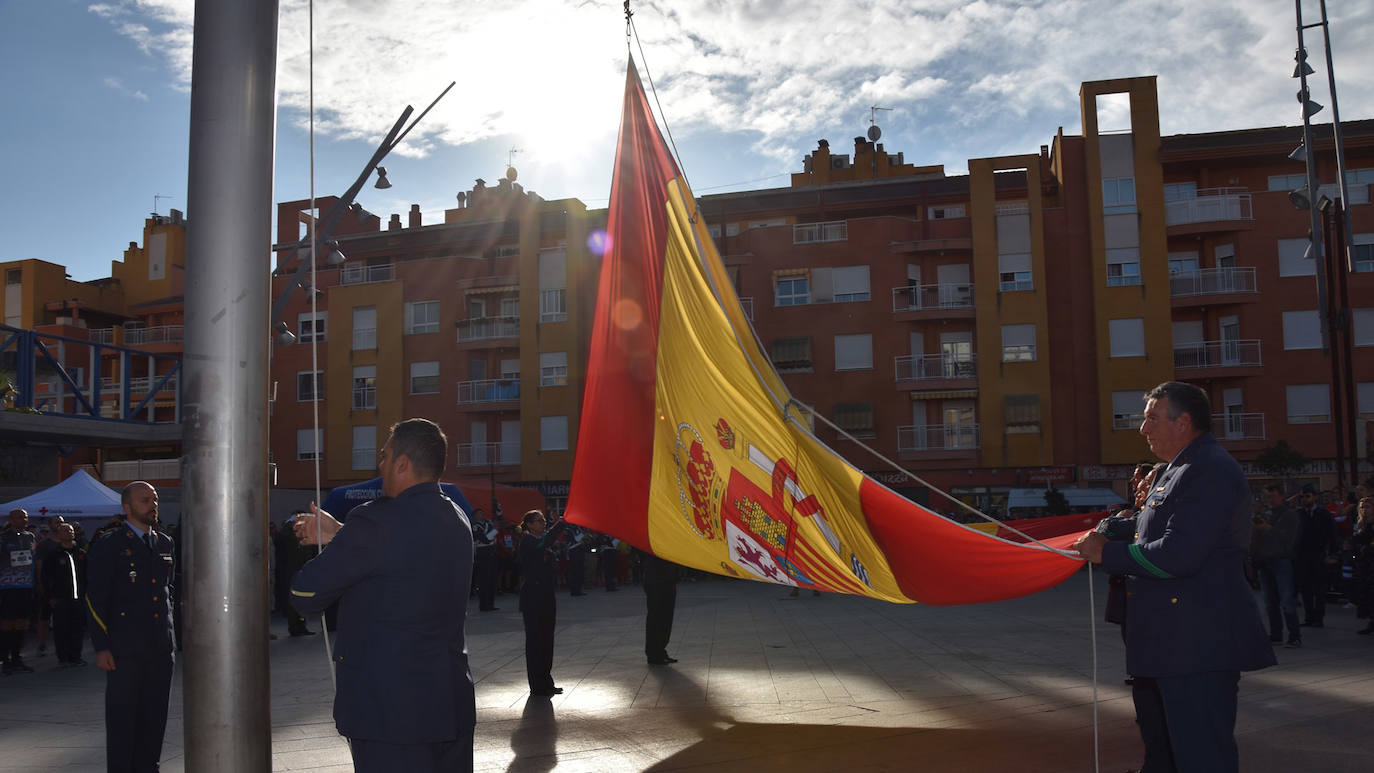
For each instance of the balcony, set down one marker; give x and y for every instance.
(938, 441)
(488, 454)
(1219, 359)
(1212, 286)
(936, 371)
(491, 393)
(359, 274)
(164, 334)
(1238, 426)
(1212, 209)
(138, 385)
(937, 301)
(136, 469)
(488, 329)
(101, 335)
(812, 233)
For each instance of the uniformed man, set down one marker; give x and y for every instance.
(17, 594)
(129, 573)
(484, 561)
(538, 607)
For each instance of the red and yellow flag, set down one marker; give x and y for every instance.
(688, 445)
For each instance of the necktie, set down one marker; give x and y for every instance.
(151, 541)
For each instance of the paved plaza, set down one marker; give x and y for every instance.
(772, 683)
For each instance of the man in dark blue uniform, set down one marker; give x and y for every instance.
(128, 579)
(401, 570)
(538, 607)
(484, 561)
(1192, 624)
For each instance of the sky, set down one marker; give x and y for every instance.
(96, 95)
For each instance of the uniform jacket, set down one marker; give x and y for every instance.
(64, 574)
(536, 564)
(127, 589)
(1189, 608)
(400, 570)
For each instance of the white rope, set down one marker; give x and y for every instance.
(1092, 628)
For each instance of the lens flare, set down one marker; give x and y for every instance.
(627, 314)
(599, 241)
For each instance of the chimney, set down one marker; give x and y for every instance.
(414, 215)
(395, 224)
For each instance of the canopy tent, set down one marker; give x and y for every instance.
(78, 498)
(512, 499)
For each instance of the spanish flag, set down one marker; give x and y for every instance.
(691, 448)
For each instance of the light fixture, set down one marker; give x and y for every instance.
(335, 258)
(1302, 68)
(284, 335)
(1324, 203)
(1299, 198)
(1309, 108)
(1299, 153)
(382, 182)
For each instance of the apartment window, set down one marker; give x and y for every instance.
(1018, 343)
(1302, 329)
(365, 447)
(792, 355)
(1022, 414)
(854, 352)
(1128, 409)
(946, 212)
(1127, 337)
(855, 419)
(309, 385)
(1362, 253)
(553, 433)
(1363, 325)
(365, 328)
(422, 317)
(1286, 182)
(510, 369)
(553, 368)
(553, 305)
(510, 307)
(1123, 267)
(364, 387)
(1364, 399)
(1309, 403)
(424, 378)
(1293, 260)
(1118, 195)
(308, 444)
(311, 326)
(850, 283)
(553, 283)
(1179, 191)
(477, 308)
(1014, 270)
(792, 291)
(14, 276)
(1182, 262)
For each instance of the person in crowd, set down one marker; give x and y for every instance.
(1362, 582)
(538, 605)
(291, 555)
(660, 598)
(400, 569)
(484, 536)
(1273, 545)
(580, 543)
(609, 556)
(1316, 544)
(17, 592)
(63, 581)
(1192, 625)
(47, 543)
(507, 567)
(129, 577)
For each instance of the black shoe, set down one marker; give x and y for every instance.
(1293, 644)
(663, 661)
(1276, 640)
(488, 609)
(297, 634)
(549, 693)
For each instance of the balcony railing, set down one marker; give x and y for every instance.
(101, 335)
(1238, 426)
(483, 328)
(144, 469)
(488, 391)
(485, 454)
(937, 437)
(137, 385)
(153, 335)
(747, 303)
(809, 233)
(1212, 281)
(553, 305)
(364, 338)
(936, 296)
(1130, 421)
(935, 367)
(1210, 205)
(1218, 354)
(360, 274)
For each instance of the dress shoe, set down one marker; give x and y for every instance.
(489, 609)
(549, 693)
(663, 661)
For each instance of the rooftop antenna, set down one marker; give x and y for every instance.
(510, 163)
(875, 133)
(157, 197)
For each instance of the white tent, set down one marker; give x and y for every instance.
(79, 497)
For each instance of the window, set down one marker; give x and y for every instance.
(553, 433)
(1286, 182)
(792, 291)
(553, 368)
(1362, 253)
(477, 308)
(365, 328)
(1309, 403)
(1182, 262)
(850, 283)
(1363, 327)
(365, 447)
(1014, 270)
(1178, 191)
(308, 444)
(855, 419)
(792, 355)
(14, 276)
(510, 307)
(854, 352)
(946, 212)
(309, 389)
(1022, 414)
(1118, 195)
(422, 317)
(1293, 260)
(1018, 343)
(1123, 267)
(424, 378)
(1127, 337)
(311, 327)
(510, 369)
(1302, 329)
(553, 305)
(1364, 399)
(553, 283)
(364, 387)
(1128, 409)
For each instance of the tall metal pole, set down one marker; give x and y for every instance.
(229, 237)
(1344, 244)
(1314, 241)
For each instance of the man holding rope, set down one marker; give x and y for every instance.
(1192, 624)
(401, 569)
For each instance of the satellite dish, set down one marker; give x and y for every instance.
(510, 173)
(874, 133)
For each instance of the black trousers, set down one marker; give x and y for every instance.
(1310, 575)
(442, 757)
(68, 629)
(660, 599)
(1200, 718)
(136, 694)
(295, 621)
(1154, 730)
(484, 575)
(540, 611)
(577, 570)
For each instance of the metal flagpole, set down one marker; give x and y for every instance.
(225, 497)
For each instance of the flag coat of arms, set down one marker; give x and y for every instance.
(691, 448)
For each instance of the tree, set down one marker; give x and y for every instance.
(1055, 502)
(1281, 460)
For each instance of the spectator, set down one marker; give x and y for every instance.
(538, 606)
(1316, 546)
(1362, 583)
(64, 589)
(17, 580)
(1274, 541)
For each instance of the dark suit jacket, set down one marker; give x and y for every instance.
(1189, 608)
(127, 587)
(400, 569)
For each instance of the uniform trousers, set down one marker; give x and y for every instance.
(577, 570)
(660, 600)
(136, 695)
(539, 609)
(484, 575)
(443, 757)
(1199, 712)
(68, 629)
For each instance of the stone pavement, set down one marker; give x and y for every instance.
(771, 683)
